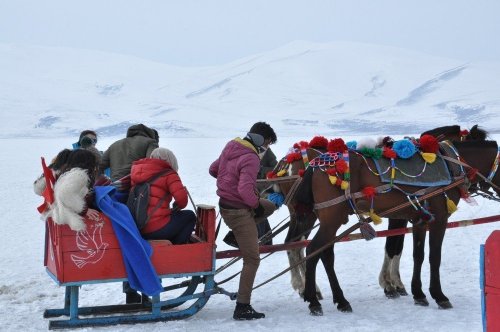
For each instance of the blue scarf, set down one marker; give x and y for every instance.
(136, 251)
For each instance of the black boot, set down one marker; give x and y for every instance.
(229, 239)
(133, 297)
(246, 312)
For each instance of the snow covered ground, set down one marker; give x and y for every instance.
(26, 290)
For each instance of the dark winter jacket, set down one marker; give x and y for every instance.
(138, 144)
(236, 171)
(169, 184)
(267, 163)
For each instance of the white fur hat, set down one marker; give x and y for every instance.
(167, 155)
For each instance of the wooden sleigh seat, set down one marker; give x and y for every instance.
(93, 256)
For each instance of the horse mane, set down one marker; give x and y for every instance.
(445, 130)
(477, 133)
(476, 144)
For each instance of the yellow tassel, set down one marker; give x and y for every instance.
(393, 173)
(375, 218)
(429, 157)
(333, 179)
(344, 185)
(281, 173)
(452, 207)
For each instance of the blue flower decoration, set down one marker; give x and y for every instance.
(352, 145)
(404, 148)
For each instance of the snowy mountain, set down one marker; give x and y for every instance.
(301, 88)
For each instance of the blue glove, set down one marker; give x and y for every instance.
(276, 198)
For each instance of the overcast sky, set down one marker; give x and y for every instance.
(206, 32)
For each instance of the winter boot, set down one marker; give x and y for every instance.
(133, 297)
(229, 239)
(246, 312)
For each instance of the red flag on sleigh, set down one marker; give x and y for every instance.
(48, 192)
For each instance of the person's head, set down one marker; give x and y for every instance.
(266, 131)
(83, 159)
(87, 138)
(165, 155)
(60, 160)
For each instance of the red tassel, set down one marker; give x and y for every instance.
(471, 174)
(331, 171)
(389, 153)
(301, 172)
(298, 145)
(291, 157)
(429, 143)
(271, 175)
(341, 166)
(319, 142)
(337, 145)
(369, 192)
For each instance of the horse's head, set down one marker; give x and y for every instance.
(482, 156)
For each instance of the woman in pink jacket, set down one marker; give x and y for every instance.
(236, 171)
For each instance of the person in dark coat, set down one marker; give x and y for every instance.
(139, 143)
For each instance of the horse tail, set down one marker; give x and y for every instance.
(304, 200)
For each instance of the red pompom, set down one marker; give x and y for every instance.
(301, 172)
(341, 166)
(429, 143)
(319, 142)
(337, 145)
(389, 153)
(464, 132)
(300, 144)
(291, 157)
(369, 192)
(271, 175)
(331, 171)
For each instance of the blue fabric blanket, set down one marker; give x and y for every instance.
(136, 251)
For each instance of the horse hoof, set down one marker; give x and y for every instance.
(344, 308)
(391, 294)
(444, 305)
(316, 310)
(422, 302)
(402, 291)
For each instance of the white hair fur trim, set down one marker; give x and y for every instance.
(366, 143)
(69, 198)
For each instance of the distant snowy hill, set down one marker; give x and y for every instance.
(302, 88)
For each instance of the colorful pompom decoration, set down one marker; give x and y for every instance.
(271, 175)
(337, 145)
(374, 217)
(429, 143)
(374, 153)
(281, 173)
(428, 157)
(404, 148)
(298, 145)
(291, 157)
(369, 192)
(319, 142)
(301, 172)
(352, 145)
(389, 153)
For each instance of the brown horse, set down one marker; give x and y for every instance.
(317, 189)
(302, 222)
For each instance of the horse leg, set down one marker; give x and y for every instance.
(389, 277)
(310, 284)
(436, 235)
(328, 259)
(297, 278)
(419, 234)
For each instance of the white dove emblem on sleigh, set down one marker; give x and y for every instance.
(90, 244)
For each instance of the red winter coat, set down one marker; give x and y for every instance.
(170, 184)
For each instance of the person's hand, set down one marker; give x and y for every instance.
(258, 211)
(92, 214)
(276, 198)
